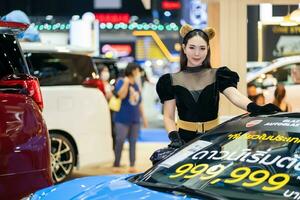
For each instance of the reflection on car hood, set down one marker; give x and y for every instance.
(102, 187)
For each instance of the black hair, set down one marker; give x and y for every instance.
(279, 94)
(189, 35)
(130, 68)
(251, 85)
(101, 67)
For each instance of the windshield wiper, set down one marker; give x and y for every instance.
(182, 189)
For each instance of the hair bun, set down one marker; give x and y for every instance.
(185, 29)
(210, 32)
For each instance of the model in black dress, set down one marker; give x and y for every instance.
(196, 91)
(196, 88)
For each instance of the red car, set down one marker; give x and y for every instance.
(24, 140)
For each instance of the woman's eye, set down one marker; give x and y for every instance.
(203, 48)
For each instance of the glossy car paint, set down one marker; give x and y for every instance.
(24, 140)
(24, 147)
(102, 187)
(119, 188)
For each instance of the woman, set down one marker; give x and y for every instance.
(195, 89)
(279, 99)
(104, 76)
(127, 120)
(108, 89)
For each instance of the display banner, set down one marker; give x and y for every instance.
(118, 49)
(195, 13)
(279, 41)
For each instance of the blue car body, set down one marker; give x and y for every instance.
(102, 187)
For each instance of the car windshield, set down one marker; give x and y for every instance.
(235, 165)
(11, 59)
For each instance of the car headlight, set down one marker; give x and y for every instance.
(28, 197)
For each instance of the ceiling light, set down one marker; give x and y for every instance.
(295, 15)
(287, 21)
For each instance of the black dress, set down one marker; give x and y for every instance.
(196, 91)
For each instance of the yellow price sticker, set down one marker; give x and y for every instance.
(244, 175)
(183, 169)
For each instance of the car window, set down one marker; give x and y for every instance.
(284, 74)
(60, 68)
(234, 163)
(11, 59)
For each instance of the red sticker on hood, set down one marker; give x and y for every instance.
(253, 123)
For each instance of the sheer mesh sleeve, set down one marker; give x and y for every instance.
(164, 88)
(226, 78)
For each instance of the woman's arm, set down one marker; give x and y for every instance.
(237, 98)
(145, 121)
(122, 93)
(169, 115)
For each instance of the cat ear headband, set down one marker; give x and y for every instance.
(186, 29)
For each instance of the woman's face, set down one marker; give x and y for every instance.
(136, 73)
(196, 51)
(105, 74)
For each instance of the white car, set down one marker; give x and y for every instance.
(253, 67)
(75, 110)
(284, 70)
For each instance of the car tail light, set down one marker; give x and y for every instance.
(97, 83)
(25, 82)
(15, 27)
(34, 89)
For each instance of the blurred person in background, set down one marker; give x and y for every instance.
(127, 120)
(251, 91)
(279, 99)
(104, 76)
(195, 91)
(31, 34)
(260, 99)
(108, 89)
(142, 78)
(295, 73)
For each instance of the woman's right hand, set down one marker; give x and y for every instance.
(126, 79)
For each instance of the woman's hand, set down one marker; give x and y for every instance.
(123, 91)
(126, 79)
(266, 109)
(175, 139)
